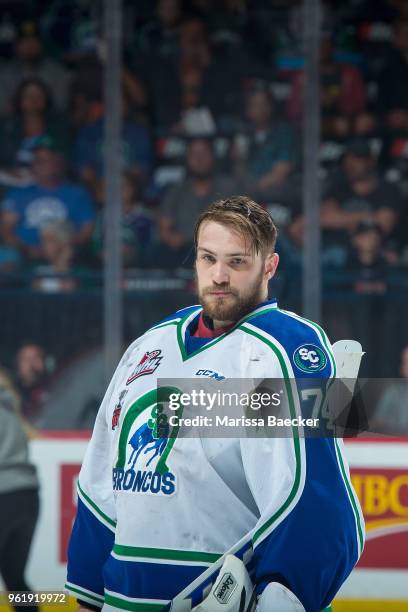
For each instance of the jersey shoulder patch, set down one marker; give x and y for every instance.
(304, 341)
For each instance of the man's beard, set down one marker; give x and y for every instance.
(234, 306)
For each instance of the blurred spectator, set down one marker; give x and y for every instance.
(87, 91)
(19, 503)
(136, 94)
(343, 96)
(58, 271)
(184, 202)
(76, 393)
(194, 56)
(196, 79)
(137, 150)
(222, 71)
(391, 415)
(31, 62)
(179, 80)
(225, 19)
(72, 29)
(359, 193)
(32, 379)
(10, 259)
(8, 34)
(34, 117)
(392, 92)
(383, 11)
(367, 260)
(265, 150)
(333, 256)
(401, 7)
(160, 36)
(51, 198)
(137, 226)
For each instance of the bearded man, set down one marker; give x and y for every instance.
(157, 509)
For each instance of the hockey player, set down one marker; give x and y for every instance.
(156, 510)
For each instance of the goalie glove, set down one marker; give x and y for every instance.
(233, 590)
(277, 598)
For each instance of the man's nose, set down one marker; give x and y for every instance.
(220, 273)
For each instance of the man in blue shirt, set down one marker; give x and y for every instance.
(50, 198)
(136, 151)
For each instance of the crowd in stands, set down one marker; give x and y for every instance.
(212, 105)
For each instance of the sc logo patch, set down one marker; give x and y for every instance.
(309, 358)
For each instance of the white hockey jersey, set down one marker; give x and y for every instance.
(154, 510)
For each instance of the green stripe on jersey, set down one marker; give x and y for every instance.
(350, 492)
(180, 328)
(135, 606)
(95, 507)
(160, 325)
(295, 432)
(83, 593)
(165, 553)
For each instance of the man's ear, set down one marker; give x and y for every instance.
(271, 263)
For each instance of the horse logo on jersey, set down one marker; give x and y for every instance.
(309, 358)
(147, 365)
(142, 462)
(151, 437)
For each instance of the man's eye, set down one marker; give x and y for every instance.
(237, 261)
(208, 257)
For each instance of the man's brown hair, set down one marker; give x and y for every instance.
(246, 217)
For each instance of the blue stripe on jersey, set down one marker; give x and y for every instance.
(292, 333)
(193, 343)
(89, 547)
(148, 580)
(315, 547)
(176, 315)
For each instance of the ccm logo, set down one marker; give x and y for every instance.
(210, 374)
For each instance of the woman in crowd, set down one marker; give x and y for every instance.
(19, 502)
(33, 117)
